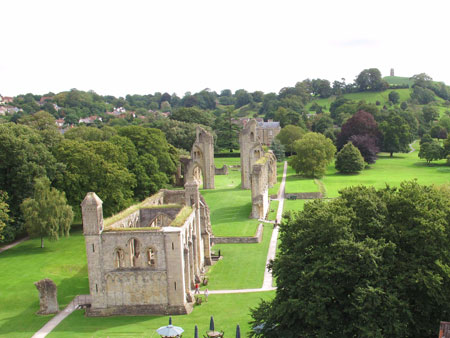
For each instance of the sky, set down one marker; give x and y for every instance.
(146, 46)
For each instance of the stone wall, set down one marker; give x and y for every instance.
(222, 171)
(304, 195)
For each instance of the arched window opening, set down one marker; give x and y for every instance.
(118, 258)
(151, 257)
(134, 252)
(252, 137)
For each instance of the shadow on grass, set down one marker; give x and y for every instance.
(28, 321)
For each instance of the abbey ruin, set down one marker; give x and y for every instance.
(147, 259)
(200, 165)
(258, 169)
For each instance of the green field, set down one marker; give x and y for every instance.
(242, 265)
(296, 183)
(63, 261)
(228, 310)
(369, 97)
(398, 80)
(230, 206)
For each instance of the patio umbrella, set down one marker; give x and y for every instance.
(238, 331)
(196, 332)
(170, 331)
(211, 324)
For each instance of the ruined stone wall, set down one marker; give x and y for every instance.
(240, 240)
(260, 189)
(148, 271)
(251, 150)
(222, 171)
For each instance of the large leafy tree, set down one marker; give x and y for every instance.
(4, 210)
(349, 160)
(227, 131)
(370, 79)
(431, 151)
(193, 115)
(23, 157)
(396, 135)
(313, 152)
(46, 213)
(361, 123)
(367, 264)
(289, 134)
(367, 147)
(89, 168)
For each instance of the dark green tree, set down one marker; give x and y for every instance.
(430, 113)
(313, 153)
(367, 264)
(394, 97)
(193, 115)
(349, 160)
(4, 212)
(278, 150)
(288, 135)
(396, 135)
(227, 131)
(431, 151)
(46, 213)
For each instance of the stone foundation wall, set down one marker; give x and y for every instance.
(139, 310)
(305, 195)
(222, 171)
(240, 240)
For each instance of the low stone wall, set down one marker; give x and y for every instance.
(221, 171)
(240, 240)
(304, 195)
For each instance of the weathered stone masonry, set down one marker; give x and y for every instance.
(147, 259)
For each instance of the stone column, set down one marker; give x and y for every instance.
(191, 264)
(47, 297)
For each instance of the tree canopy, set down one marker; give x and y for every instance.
(349, 160)
(371, 263)
(46, 213)
(313, 152)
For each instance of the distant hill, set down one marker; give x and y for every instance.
(398, 80)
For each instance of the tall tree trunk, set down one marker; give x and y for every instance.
(392, 153)
(42, 241)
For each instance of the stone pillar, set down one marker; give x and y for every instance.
(191, 264)
(187, 275)
(47, 297)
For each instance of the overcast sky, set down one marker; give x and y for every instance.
(139, 47)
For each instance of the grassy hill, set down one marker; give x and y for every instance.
(398, 80)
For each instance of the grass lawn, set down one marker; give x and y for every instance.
(242, 265)
(63, 261)
(390, 171)
(230, 206)
(369, 97)
(294, 205)
(276, 187)
(296, 183)
(228, 310)
(273, 210)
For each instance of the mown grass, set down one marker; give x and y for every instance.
(228, 311)
(369, 97)
(296, 183)
(390, 171)
(230, 205)
(242, 265)
(273, 208)
(63, 261)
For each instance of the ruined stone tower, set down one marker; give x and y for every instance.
(202, 159)
(392, 72)
(251, 151)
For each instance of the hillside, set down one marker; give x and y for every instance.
(398, 80)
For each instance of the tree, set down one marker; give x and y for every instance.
(288, 135)
(314, 153)
(349, 160)
(371, 263)
(193, 115)
(394, 97)
(227, 131)
(362, 123)
(367, 147)
(47, 212)
(422, 95)
(396, 135)
(370, 79)
(430, 113)
(4, 210)
(242, 98)
(321, 123)
(278, 150)
(287, 116)
(431, 151)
